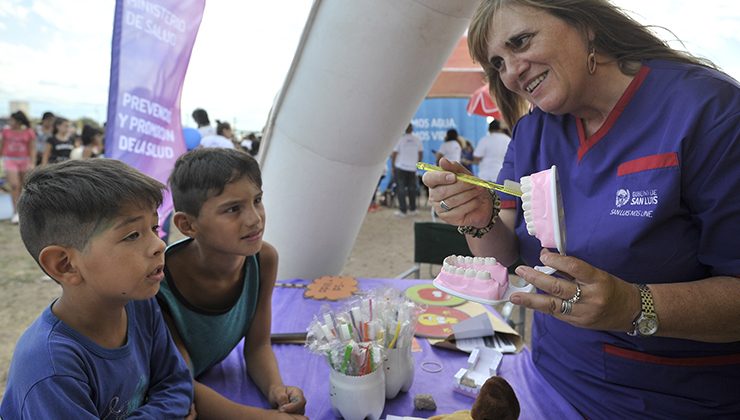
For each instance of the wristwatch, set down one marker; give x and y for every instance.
(646, 323)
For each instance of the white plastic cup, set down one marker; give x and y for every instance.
(357, 397)
(399, 371)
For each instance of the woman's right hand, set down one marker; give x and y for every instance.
(469, 205)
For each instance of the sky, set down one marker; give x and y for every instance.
(55, 54)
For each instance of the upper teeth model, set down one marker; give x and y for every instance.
(543, 208)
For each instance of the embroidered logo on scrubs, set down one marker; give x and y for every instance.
(623, 196)
(640, 203)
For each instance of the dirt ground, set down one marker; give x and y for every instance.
(384, 248)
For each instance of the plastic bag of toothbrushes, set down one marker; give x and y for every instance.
(398, 316)
(365, 325)
(322, 332)
(402, 321)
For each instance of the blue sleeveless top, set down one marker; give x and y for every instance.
(210, 336)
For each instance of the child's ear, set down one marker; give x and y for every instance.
(184, 223)
(57, 262)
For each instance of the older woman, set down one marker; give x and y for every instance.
(647, 144)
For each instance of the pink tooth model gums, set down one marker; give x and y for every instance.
(478, 279)
(543, 208)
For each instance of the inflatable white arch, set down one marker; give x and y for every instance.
(361, 70)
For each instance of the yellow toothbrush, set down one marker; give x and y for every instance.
(511, 188)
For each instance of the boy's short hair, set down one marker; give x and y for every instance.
(68, 203)
(204, 172)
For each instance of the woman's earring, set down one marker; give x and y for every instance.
(591, 60)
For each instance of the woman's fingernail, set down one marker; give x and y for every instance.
(450, 177)
(516, 300)
(520, 271)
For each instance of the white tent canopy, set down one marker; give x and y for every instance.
(361, 70)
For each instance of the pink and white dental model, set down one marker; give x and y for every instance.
(543, 208)
(483, 280)
(477, 279)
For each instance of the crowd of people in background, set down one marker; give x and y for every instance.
(26, 144)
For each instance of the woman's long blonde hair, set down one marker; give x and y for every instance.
(616, 35)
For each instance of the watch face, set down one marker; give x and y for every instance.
(647, 326)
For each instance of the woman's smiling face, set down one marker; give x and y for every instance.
(539, 57)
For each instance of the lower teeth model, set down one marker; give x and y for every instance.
(543, 208)
(473, 278)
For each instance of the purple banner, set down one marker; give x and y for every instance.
(152, 42)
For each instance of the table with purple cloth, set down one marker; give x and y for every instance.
(291, 313)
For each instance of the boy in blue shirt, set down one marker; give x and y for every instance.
(101, 350)
(219, 281)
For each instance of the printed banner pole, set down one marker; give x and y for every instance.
(152, 43)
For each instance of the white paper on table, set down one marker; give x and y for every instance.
(479, 332)
(489, 331)
(495, 342)
(477, 326)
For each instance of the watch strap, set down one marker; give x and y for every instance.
(646, 300)
(647, 308)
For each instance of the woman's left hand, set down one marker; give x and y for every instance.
(288, 399)
(606, 302)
